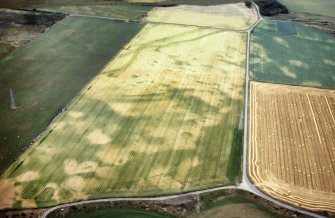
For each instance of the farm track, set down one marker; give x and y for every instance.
(171, 197)
(246, 184)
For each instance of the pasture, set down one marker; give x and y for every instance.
(321, 7)
(159, 119)
(125, 213)
(290, 53)
(227, 16)
(132, 12)
(39, 3)
(58, 3)
(231, 206)
(291, 153)
(48, 72)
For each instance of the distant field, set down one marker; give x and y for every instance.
(121, 213)
(39, 3)
(226, 207)
(232, 207)
(48, 72)
(133, 12)
(159, 119)
(290, 53)
(227, 16)
(50, 3)
(319, 7)
(291, 144)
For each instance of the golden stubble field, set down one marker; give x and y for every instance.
(159, 119)
(291, 144)
(228, 16)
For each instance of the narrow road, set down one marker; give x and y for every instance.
(190, 194)
(246, 184)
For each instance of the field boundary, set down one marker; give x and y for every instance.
(154, 22)
(245, 185)
(138, 199)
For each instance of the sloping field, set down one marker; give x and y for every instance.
(48, 72)
(236, 208)
(159, 119)
(228, 16)
(39, 3)
(320, 7)
(126, 213)
(133, 12)
(290, 53)
(291, 144)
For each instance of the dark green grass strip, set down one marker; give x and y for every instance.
(124, 213)
(235, 159)
(47, 73)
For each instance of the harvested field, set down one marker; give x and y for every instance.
(291, 144)
(133, 12)
(159, 119)
(321, 7)
(228, 16)
(290, 53)
(48, 72)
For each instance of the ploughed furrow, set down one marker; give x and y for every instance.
(291, 144)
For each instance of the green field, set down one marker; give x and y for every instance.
(159, 119)
(290, 53)
(5, 49)
(39, 3)
(233, 207)
(50, 3)
(319, 7)
(121, 213)
(48, 72)
(133, 12)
